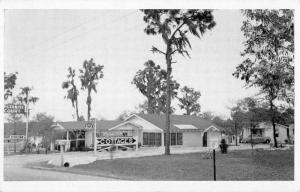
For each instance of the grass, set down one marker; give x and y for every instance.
(236, 165)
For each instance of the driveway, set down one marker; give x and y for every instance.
(15, 170)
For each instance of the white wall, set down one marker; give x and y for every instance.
(282, 133)
(213, 138)
(89, 138)
(192, 139)
(269, 132)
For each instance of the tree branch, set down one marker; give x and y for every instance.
(154, 49)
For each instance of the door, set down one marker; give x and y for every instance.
(205, 139)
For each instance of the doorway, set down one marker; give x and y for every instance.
(205, 139)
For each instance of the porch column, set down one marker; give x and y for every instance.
(67, 147)
(162, 139)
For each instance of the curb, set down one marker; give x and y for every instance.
(65, 170)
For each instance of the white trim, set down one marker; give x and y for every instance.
(143, 120)
(124, 123)
(210, 128)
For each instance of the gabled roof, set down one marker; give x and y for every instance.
(102, 125)
(159, 120)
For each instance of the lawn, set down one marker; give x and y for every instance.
(236, 165)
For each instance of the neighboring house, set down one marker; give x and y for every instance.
(149, 130)
(266, 130)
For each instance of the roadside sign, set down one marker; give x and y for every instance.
(13, 140)
(89, 125)
(116, 141)
(14, 108)
(17, 136)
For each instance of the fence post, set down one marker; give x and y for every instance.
(214, 160)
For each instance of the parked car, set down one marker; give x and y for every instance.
(256, 139)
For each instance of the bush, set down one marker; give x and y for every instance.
(223, 146)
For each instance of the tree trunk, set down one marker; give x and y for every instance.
(89, 101)
(251, 133)
(76, 106)
(167, 147)
(236, 143)
(188, 111)
(273, 123)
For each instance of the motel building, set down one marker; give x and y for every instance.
(144, 130)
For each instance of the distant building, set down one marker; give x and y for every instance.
(266, 130)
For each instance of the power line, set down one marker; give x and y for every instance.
(74, 37)
(59, 34)
(78, 49)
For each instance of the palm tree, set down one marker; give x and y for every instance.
(72, 92)
(24, 97)
(175, 26)
(90, 74)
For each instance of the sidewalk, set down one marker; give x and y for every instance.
(76, 158)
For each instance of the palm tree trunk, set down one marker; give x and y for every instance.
(76, 106)
(169, 68)
(89, 101)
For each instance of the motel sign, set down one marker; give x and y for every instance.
(116, 141)
(12, 108)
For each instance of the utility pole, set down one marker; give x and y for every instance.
(27, 113)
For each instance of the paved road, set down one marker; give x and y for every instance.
(15, 170)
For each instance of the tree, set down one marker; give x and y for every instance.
(269, 56)
(89, 75)
(24, 97)
(43, 124)
(81, 118)
(9, 84)
(208, 115)
(124, 115)
(151, 82)
(174, 25)
(254, 113)
(238, 117)
(189, 101)
(72, 92)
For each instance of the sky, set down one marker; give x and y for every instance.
(41, 44)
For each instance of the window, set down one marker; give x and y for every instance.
(152, 139)
(179, 138)
(157, 139)
(175, 139)
(125, 134)
(145, 138)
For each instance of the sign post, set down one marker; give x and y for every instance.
(214, 160)
(15, 109)
(95, 137)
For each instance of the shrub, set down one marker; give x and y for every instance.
(223, 146)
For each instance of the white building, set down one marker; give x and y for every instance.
(189, 131)
(266, 130)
